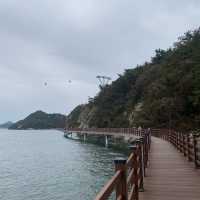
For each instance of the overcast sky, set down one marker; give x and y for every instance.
(55, 41)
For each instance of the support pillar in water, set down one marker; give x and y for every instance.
(69, 135)
(106, 141)
(84, 137)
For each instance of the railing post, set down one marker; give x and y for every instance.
(135, 172)
(121, 189)
(141, 185)
(170, 136)
(181, 142)
(178, 141)
(188, 146)
(195, 151)
(149, 135)
(184, 146)
(146, 149)
(142, 151)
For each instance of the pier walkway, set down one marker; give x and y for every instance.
(163, 165)
(169, 175)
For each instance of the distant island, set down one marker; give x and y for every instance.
(40, 120)
(6, 124)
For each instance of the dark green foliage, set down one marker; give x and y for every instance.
(167, 90)
(40, 120)
(111, 102)
(73, 118)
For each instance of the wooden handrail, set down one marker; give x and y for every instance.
(109, 187)
(107, 131)
(186, 143)
(129, 175)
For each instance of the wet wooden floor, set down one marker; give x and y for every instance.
(169, 175)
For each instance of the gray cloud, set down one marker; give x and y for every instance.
(56, 41)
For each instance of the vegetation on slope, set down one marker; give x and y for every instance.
(162, 93)
(40, 120)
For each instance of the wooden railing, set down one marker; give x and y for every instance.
(111, 131)
(186, 143)
(129, 174)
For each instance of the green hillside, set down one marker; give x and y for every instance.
(40, 120)
(162, 93)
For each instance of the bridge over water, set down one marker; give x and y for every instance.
(169, 170)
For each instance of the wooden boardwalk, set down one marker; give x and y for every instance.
(170, 176)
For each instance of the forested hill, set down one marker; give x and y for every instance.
(162, 93)
(40, 120)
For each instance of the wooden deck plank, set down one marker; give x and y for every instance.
(170, 176)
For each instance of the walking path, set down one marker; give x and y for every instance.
(169, 175)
